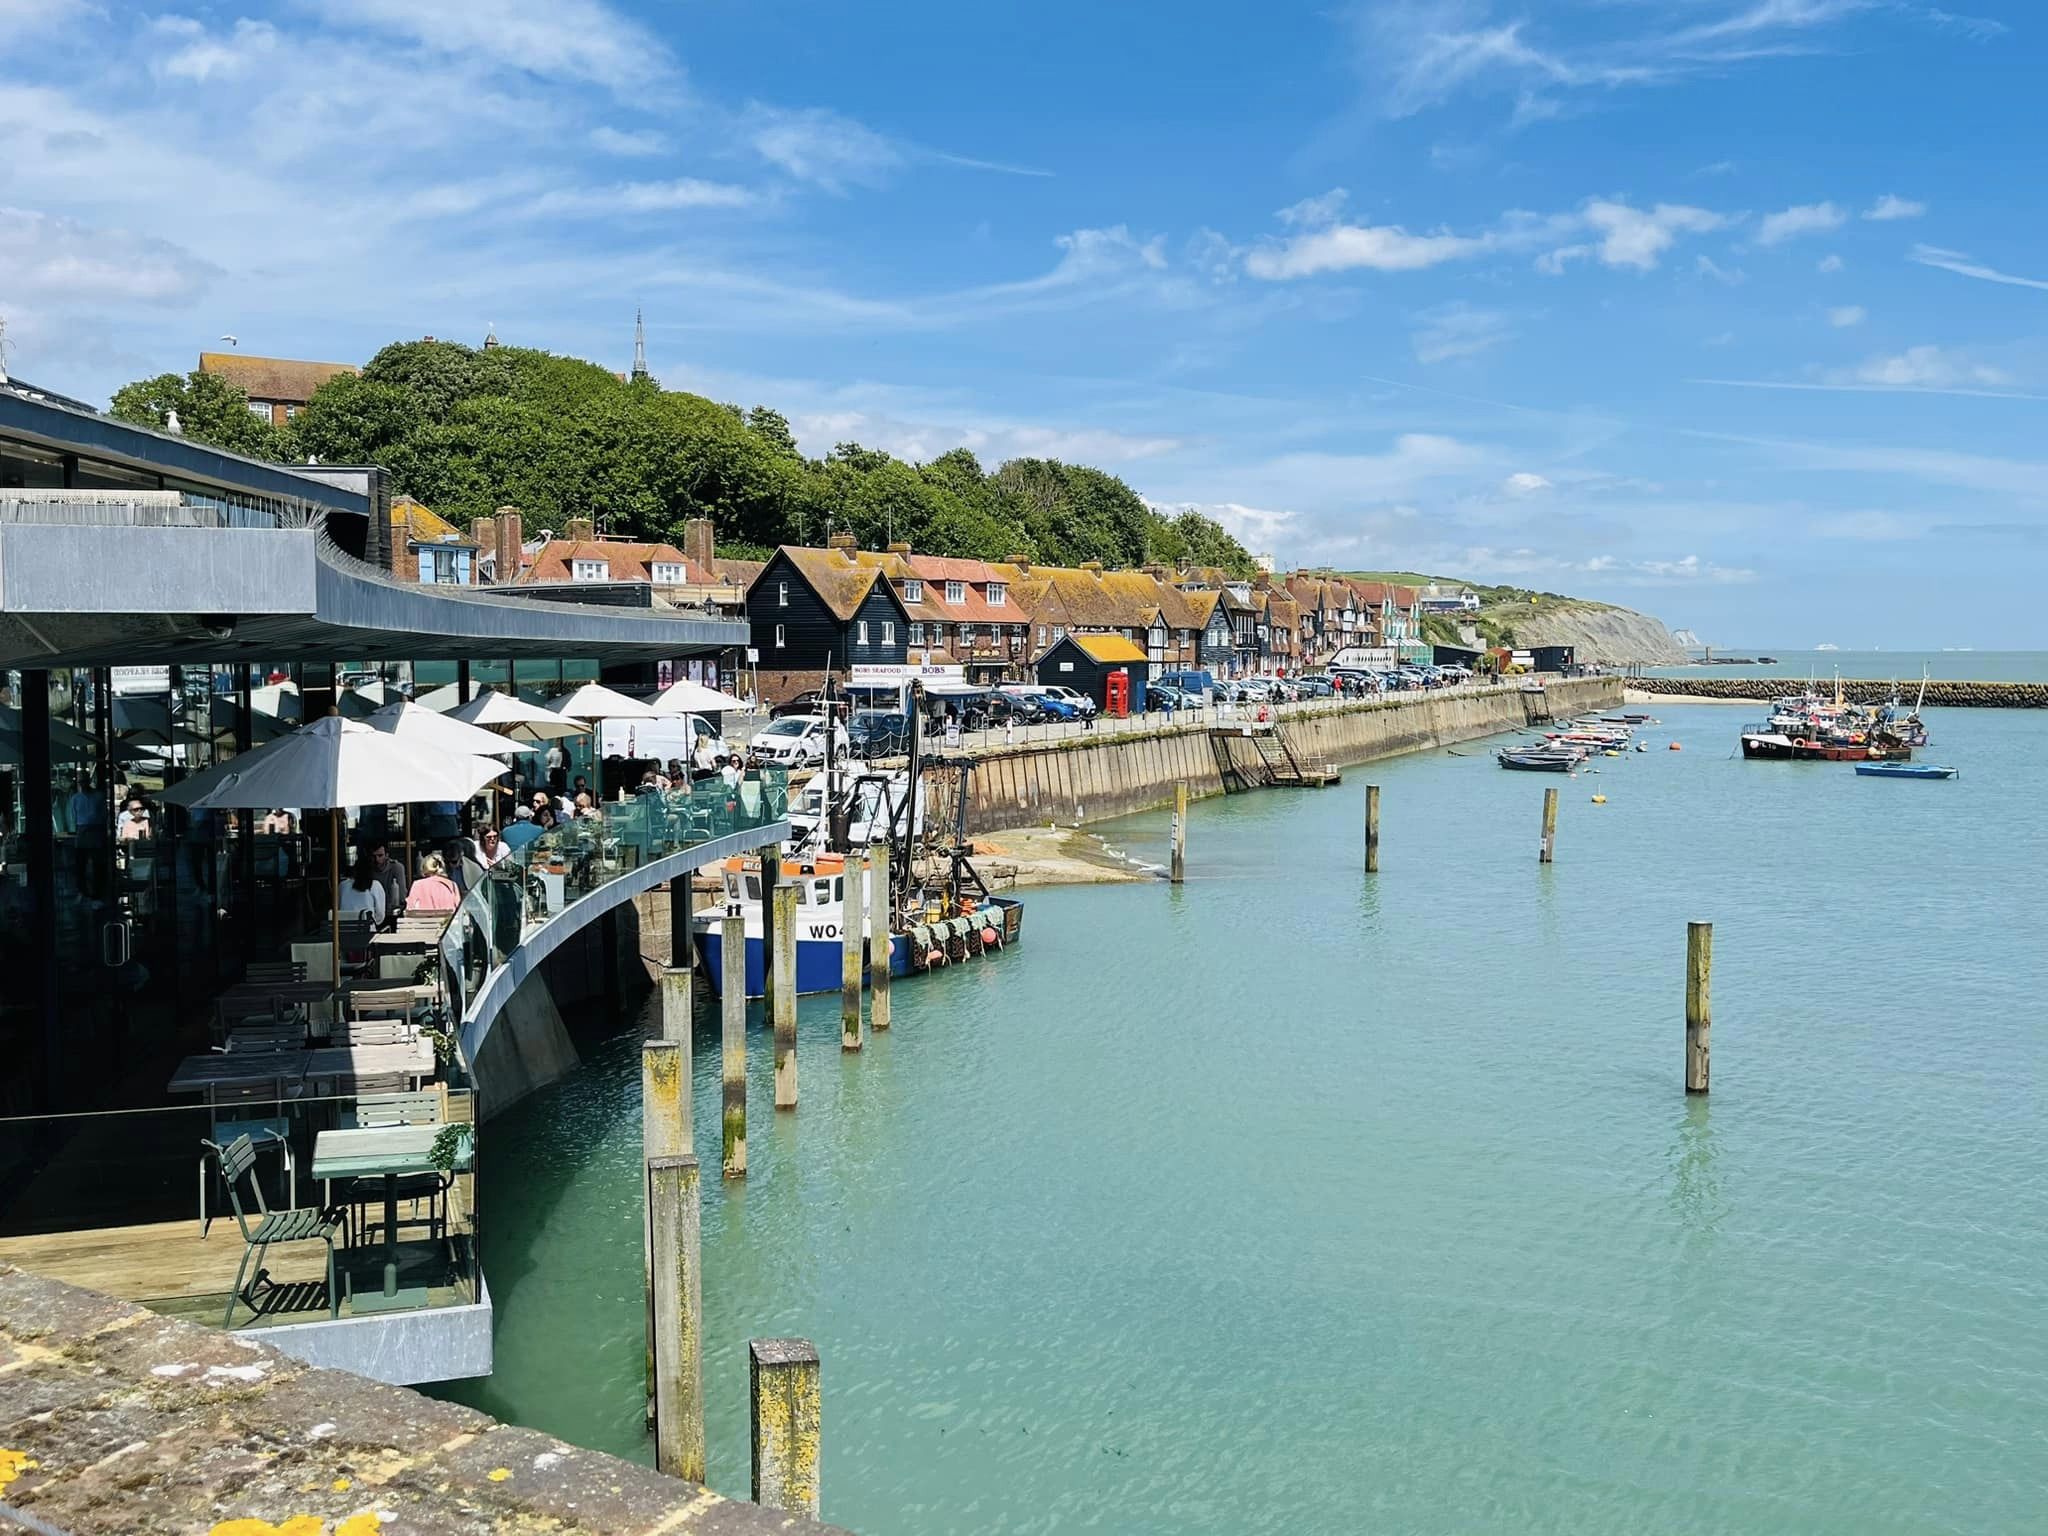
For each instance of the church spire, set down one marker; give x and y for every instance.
(639, 348)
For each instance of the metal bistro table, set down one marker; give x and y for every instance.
(385, 1151)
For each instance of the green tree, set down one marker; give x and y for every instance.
(772, 427)
(210, 410)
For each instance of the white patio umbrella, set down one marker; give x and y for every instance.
(361, 702)
(333, 764)
(594, 701)
(515, 719)
(443, 733)
(685, 697)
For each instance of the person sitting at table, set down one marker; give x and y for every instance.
(135, 823)
(703, 759)
(433, 891)
(363, 892)
(489, 848)
(391, 875)
(277, 822)
(543, 811)
(585, 810)
(522, 832)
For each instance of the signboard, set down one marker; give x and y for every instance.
(903, 672)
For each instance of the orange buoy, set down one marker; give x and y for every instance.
(988, 935)
(1674, 746)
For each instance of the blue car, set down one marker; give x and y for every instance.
(1057, 709)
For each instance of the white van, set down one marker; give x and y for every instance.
(671, 736)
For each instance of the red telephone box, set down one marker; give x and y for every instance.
(1116, 689)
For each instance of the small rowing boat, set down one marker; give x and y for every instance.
(1903, 771)
(1540, 759)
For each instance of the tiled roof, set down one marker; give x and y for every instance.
(1202, 605)
(281, 379)
(839, 582)
(411, 520)
(973, 575)
(737, 573)
(624, 560)
(1108, 648)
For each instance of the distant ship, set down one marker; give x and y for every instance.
(1827, 647)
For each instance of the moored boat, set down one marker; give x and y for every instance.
(1904, 771)
(1539, 759)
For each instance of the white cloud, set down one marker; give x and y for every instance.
(1633, 237)
(1829, 263)
(561, 39)
(1343, 247)
(1801, 219)
(1314, 212)
(1525, 483)
(636, 197)
(1957, 262)
(1888, 207)
(1924, 367)
(1457, 330)
(822, 147)
(993, 442)
(634, 142)
(1843, 316)
(1978, 29)
(189, 52)
(52, 260)
(1706, 266)
(1259, 529)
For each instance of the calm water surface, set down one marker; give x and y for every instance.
(1293, 1201)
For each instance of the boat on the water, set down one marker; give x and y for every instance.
(1540, 759)
(1904, 771)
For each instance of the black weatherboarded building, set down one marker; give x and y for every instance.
(1084, 662)
(814, 609)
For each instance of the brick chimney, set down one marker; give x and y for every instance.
(483, 532)
(899, 549)
(846, 541)
(511, 539)
(698, 546)
(1021, 561)
(579, 530)
(1156, 572)
(1094, 567)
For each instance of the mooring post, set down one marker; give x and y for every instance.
(852, 929)
(881, 946)
(664, 1132)
(733, 1045)
(771, 882)
(784, 1378)
(782, 991)
(681, 908)
(1372, 829)
(1549, 846)
(1180, 832)
(678, 1318)
(1699, 975)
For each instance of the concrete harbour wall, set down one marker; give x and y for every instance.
(1945, 695)
(1092, 778)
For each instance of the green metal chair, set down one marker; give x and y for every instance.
(235, 1161)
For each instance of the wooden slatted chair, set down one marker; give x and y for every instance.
(381, 1003)
(274, 971)
(234, 1162)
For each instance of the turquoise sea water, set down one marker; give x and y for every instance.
(1902, 666)
(1296, 1201)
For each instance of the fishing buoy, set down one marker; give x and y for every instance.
(1674, 746)
(934, 957)
(988, 935)
(1599, 799)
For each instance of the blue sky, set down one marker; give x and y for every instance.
(1732, 310)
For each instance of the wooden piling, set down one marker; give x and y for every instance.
(879, 949)
(677, 1006)
(1180, 832)
(1549, 845)
(678, 1318)
(852, 930)
(782, 995)
(771, 882)
(664, 1132)
(733, 1042)
(787, 1430)
(1372, 829)
(1699, 973)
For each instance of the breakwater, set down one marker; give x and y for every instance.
(1944, 694)
(1093, 778)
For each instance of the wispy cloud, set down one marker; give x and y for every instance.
(1842, 316)
(1828, 264)
(1978, 29)
(1802, 219)
(1957, 262)
(1457, 330)
(1889, 207)
(642, 197)
(1706, 266)
(1633, 237)
(1924, 367)
(50, 260)
(628, 143)
(836, 153)
(562, 39)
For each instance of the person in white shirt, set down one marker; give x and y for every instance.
(731, 773)
(489, 848)
(363, 890)
(557, 761)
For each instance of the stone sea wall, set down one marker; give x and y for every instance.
(1945, 695)
(1092, 778)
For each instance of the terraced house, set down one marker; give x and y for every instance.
(1141, 606)
(963, 612)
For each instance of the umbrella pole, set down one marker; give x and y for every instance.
(334, 868)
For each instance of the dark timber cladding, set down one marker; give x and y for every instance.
(1085, 662)
(812, 609)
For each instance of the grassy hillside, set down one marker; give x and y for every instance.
(1523, 616)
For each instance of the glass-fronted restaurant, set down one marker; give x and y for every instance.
(185, 1072)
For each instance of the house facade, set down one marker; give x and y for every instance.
(278, 387)
(426, 547)
(814, 611)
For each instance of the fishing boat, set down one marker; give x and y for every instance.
(1539, 759)
(1903, 771)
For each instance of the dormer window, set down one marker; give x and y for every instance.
(913, 590)
(998, 594)
(589, 570)
(956, 591)
(667, 574)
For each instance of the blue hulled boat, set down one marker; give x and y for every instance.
(1903, 771)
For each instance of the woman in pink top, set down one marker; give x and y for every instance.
(433, 891)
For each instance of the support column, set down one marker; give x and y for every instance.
(881, 945)
(39, 845)
(1549, 845)
(852, 930)
(682, 955)
(678, 1015)
(785, 1393)
(781, 969)
(1372, 829)
(1699, 971)
(1180, 832)
(678, 1318)
(664, 1133)
(771, 879)
(733, 1039)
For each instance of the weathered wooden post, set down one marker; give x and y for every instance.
(1699, 974)
(771, 881)
(664, 1132)
(1549, 845)
(883, 912)
(1372, 829)
(733, 1043)
(1180, 832)
(782, 995)
(852, 929)
(678, 1318)
(784, 1377)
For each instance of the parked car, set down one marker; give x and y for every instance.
(1195, 682)
(1081, 702)
(1314, 687)
(1056, 708)
(810, 702)
(876, 733)
(795, 741)
(1166, 696)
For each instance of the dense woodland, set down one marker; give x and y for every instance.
(467, 431)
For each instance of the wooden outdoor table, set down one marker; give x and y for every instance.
(386, 1152)
(249, 997)
(351, 1063)
(241, 1069)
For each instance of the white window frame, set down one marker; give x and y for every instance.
(782, 597)
(956, 591)
(860, 632)
(778, 637)
(581, 569)
(913, 590)
(888, 631)
(666, 573)
(998, 594)
(916, 632)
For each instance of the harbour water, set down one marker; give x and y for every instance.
(1295, 1201)
(1878, 666)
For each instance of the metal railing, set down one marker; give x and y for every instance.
(120, 508)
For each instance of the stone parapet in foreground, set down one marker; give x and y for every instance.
(115, 1421)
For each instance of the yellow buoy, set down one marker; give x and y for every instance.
(1599, 799)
